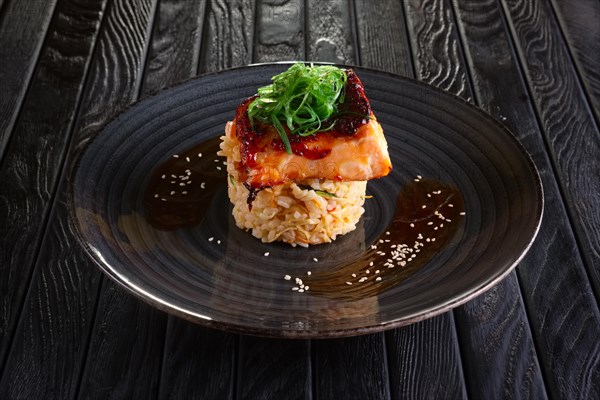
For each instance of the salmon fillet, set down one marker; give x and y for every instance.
(355, 148)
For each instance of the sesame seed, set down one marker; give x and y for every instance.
(301, 290)
(172, 182)
(199, 155)
(448, 220)
(420, 236)
(354, 275)
(428, 195)
(189, 182)
(210, 239)
(433, 239)
(348, 283)
(182, 184)
(378, 278)
(164, 199)
(430, 223)
(155, 196)
(419, 177)
(387, 233)
(371, 264)
(412, 225)
(416, 179)
(216, 160)
(163, 177)
(463, 213)
(184, 192)
(203, 185)
(295, 288)
(435, 229)
(450, 205)
(219, 168)
(315, 259)
(428, 240)
(373, 246)
(376, 271)
(298, 281)
(218, 242)
(361, 280)
(423, 206)
(367, 272)
(308, 273)
(173, 176)
(287, 277)
(306, 287)
(175, 155)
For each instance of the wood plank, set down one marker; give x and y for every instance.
(570, 131)
(192, 350)
(562, 308)
(352, 368)
(329, 32)
(274, 369)
(199, 363)
(270, 368)
(34, 159)
(228, 35)
(172, 56)
(435, 46)
(22, 32)
(47, 354)
(579, 22)
(386, 49)
(279, 31)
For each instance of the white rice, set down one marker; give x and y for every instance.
(290, 213)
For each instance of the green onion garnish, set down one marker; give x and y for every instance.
(302, 98)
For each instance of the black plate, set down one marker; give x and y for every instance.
(213, 273)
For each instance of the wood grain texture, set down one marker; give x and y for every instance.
(424, 361)
(125, 351)
(52, 337)
(552, 276)
(382, 37)
(571, 133)
(274, 369)
(279, 31)
(495, 324)
(579, 22)
(329, 32)
(228, 35)
(351, 368)
(435, 46)
(199, 363)
(176, 41)
(34, 159)
(19, 50)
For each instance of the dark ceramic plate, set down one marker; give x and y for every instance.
(482, 196)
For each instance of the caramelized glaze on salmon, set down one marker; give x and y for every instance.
(353, 150)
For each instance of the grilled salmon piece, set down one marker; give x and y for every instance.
(354, 149)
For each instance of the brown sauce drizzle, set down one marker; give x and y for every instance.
(186, 198)
(423, 231)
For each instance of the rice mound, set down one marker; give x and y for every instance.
(290, 212)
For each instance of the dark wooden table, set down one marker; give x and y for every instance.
(66, 66)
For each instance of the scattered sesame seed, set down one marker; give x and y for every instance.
(423, 206)
(361, 280)
(199, 155)
(175, 155)
(155, 196)
(430, 223)
(184, 192)
(203, 185)
(433, 239)
(376, 271)
(172, 192)
(367, 272)
(315, 259)
(267, 255)
(216, 160)
(448, 220)
(416, 179)
(172, 182)
(218, 242)
(420, 236)
(219, 168)
(189, 182)
(435, 229)
(373, 246)
(380, 240)
(348, 283)
(450, 205)
(164, 199)
(419, 177)
(428, 195)
(301, 290)
(163, 177)
(387, 233)
(287, 277)
(428, 240)
(371, 264)
(295, 288)
(412, 225)
(308, 273)
(441, 225)
(298, 281)
(173, 176)
(182, 184)
(378, 278)
(387, 240)
(463, 213)
(210, 239)
(354, 275)
(306, 287)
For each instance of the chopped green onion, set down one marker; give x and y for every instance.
(321, 193)
(302, 98)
